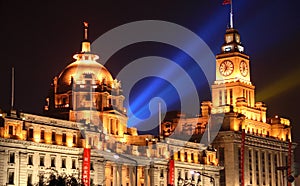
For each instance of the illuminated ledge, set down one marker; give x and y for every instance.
(232, 80)
(32, 145)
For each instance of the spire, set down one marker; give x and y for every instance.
(86, 26)
(85, 45)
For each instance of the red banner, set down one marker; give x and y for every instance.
(171, 181)
(86, 167)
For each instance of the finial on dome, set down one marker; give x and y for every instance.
(85, 45)
(86, 26)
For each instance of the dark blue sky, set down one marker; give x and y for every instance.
(39, 40)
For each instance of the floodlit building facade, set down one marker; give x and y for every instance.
(255, 150)
(85, 135)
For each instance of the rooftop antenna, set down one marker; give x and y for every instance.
(12, 87)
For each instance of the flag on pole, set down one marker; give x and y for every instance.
(226, 2)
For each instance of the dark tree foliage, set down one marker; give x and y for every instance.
(55, 179)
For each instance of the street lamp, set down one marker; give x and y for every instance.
(212, 179)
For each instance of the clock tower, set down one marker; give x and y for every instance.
(232, 88)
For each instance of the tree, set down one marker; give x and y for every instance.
(53, 178)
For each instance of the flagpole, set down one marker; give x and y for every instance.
(12, 87)
(231, 14)
(159, 119)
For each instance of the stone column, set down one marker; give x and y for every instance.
(131, 176)
(146, 171)
(120, 175)
(115, 172)
(22, 170)
(101, 172)
(151, 175)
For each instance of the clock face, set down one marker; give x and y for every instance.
(226, 68)
(243, 68)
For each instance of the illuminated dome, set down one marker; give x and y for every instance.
(81, 70)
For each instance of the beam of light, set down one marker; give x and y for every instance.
(278, 87)
(156, 87)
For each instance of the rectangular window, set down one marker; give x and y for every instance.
(220, 97)
(185, 156)
(73, 164)
(91, 166)
(192, 156)
(161, 173)
(225, 96)
(42, 161)
(41, 179)
(10, 130)
(30, 133)
(74, 139)
(53, 136)
(249, 98)
(11, 177)
(186, 175)
(230, 96)
(64, 137)
(29, 179)
(52, 161)
(30, 159)
(179, 173)
(11, 157)
(90, 141)
(178, 154)
(42, 134)
(63, 163)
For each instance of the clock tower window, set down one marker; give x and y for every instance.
(225, 95)
(220, 97)
(230, 96)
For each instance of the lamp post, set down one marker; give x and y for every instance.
(212, 179)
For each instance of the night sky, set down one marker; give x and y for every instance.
(40, 38)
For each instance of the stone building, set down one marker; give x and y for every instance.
(85, 111)
(264, 155)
